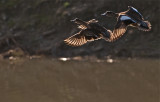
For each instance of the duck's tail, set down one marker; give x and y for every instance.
(145, 26)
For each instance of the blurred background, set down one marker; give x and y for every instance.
(37, 66)
(40, 26)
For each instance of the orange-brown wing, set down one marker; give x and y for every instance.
(81, 38)
(121, 27)
(118, 31)
(76, 40)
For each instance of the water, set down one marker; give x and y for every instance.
(48, 80)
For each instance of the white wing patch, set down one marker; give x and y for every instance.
(135, 9)
(123, 18)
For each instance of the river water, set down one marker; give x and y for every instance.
(50, 80)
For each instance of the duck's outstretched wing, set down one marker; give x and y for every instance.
(81, 38)
(120, 28)
(76, 40)
(134, 13)
(81, 24)
(92, 21)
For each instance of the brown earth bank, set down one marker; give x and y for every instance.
(38, 27)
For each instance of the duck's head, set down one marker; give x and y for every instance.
(109, 14)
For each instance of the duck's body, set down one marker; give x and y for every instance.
(89, 31)
(131, 17)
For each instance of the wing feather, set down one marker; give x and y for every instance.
(81, 38)
(134, 13)
(120, 27)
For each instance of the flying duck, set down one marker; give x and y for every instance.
(131, 17)
(89, 31)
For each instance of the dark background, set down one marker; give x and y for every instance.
(38, 27)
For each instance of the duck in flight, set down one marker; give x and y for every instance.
(131, 17)
(89, 31)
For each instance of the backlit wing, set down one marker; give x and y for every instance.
(121, 27)
(81, 24)
(81, 38)
(134, 13)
